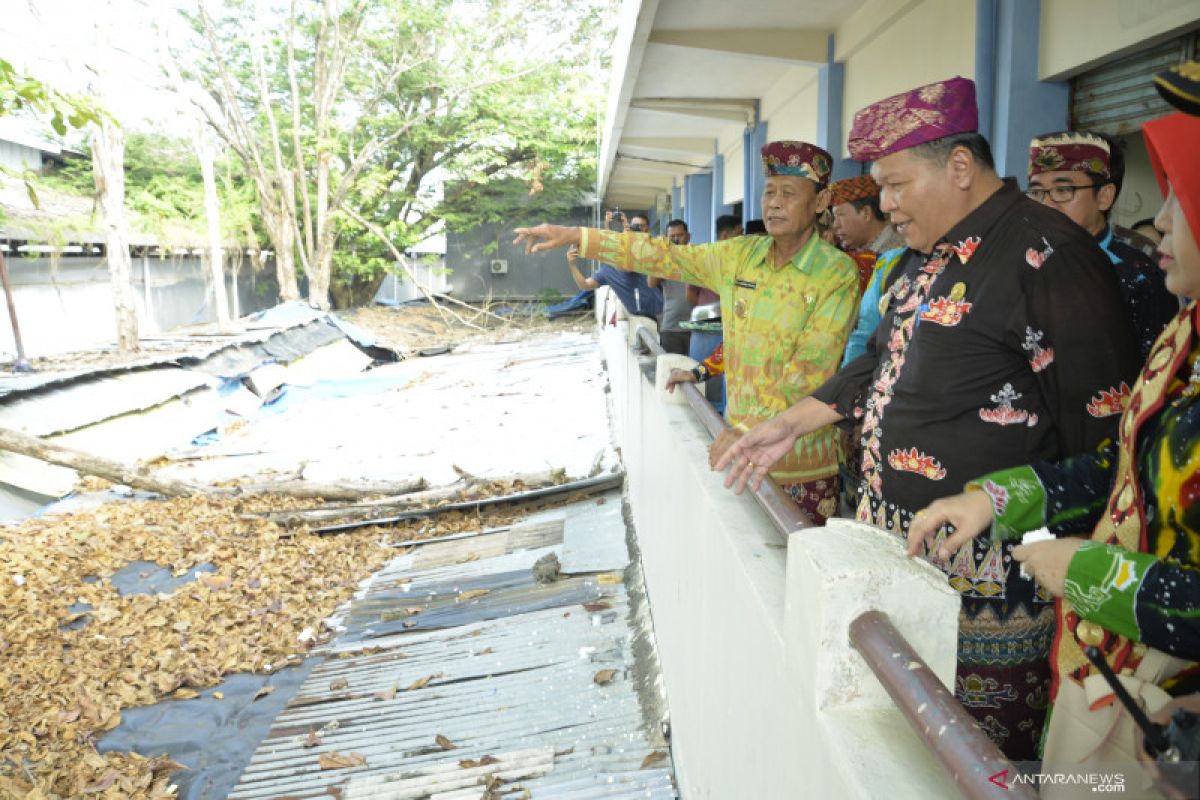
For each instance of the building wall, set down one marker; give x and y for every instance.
(790, 106)
(19, 157)
(469, 256)
(1079, 34)
(889, 47)
(735, 170)
(70, 307)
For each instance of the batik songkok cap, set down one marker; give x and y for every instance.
(1180, 86)
(860, 187)
(801, 159)
(912, 118)
(1075, 151)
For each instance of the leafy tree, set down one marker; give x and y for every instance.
(366, 107)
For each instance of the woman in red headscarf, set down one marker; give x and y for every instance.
(1125, 557)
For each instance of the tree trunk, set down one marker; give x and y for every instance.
(108, 171)
(285, 247)
(131, 475)
(205, 150)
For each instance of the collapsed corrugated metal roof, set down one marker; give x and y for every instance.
(473, 666)
(457, 668)
(158, 403)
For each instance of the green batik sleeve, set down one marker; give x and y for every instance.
(699, 265)
(1018, 501)
(1102, 584)
(1066, 497)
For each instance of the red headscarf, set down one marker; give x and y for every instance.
(1172, 144)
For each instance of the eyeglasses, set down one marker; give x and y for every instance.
(637, 226)
(1063, 193)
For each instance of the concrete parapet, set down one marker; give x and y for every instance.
(767, 698)
(840, 571)
(666, 363)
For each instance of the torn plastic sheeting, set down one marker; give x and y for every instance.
(213, 738)
(290, 397)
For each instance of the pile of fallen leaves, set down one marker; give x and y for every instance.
(60, 689)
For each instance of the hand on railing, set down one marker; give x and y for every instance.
(679, 376)
(722, 443)
(751, 456)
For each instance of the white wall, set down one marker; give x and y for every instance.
(767, 698)
(735, 170)
(890, 46)
(1077, 34)
(790, 106)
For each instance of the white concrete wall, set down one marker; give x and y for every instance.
(890, 46)
(735, 170)
(1078, 34)
(790, 106)
(767, 698)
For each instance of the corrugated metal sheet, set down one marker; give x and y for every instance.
(48, 413)
(1118, 97)
(491, 409)
(510, 674)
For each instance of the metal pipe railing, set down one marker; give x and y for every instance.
(938, 717)
(783, 513)
(952, 735)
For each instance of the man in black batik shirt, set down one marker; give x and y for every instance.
(1003, 341)
(1080, 174)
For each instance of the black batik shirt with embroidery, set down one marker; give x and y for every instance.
(1008, 344)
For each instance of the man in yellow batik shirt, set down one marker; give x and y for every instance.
(788, 301)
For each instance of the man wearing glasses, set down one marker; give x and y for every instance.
(1080, 174)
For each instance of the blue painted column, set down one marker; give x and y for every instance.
(753, 140)
(718, 195)
(697, 208)
(985, 63)
(831, 81)
(1022, 106)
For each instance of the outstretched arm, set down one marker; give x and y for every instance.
(541, 238)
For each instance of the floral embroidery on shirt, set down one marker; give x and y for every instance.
(1035, 258)
(1040, 357)
(911, 460)
(966, 248)
(889, 373)
(946, 311)
(1110, 401)
(1004, 413)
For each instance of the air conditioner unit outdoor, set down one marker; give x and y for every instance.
(499, 266)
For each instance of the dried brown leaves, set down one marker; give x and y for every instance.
(60, 689)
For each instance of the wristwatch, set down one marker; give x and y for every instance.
(699, 373)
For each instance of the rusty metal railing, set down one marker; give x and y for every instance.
(785, 514)
(949, 732)
(972, 759)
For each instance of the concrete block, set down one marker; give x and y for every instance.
(840, 571)
(666, 363)
(632, 326)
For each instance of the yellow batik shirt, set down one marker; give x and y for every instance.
(785, 326)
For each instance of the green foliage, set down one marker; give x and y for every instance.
(164, 191)
(496, 100)
(20, 92)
